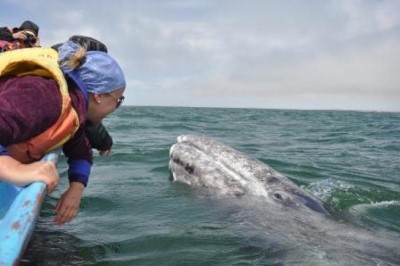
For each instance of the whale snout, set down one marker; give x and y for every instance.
(314, 204)
(293, 198)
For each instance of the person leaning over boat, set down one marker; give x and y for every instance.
(98, 136)
(34, 119)
(27, 35)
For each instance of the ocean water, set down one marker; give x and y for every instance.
(133, 214)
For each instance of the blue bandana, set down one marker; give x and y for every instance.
(100, 73)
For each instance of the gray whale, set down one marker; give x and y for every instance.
(202, 162)
(271, 210)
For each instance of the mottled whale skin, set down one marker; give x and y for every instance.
(202, 162)
(273, 212)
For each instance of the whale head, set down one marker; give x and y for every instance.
(205, 163)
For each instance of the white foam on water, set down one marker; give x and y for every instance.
(325, 188)
(362, 208)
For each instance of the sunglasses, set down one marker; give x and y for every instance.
(119, 100)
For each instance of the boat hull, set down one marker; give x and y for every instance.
(19, 209)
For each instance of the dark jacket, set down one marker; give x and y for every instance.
(6, 34)
(98, 136)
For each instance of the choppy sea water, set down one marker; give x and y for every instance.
(132, 214)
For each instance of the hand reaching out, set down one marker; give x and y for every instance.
(68, 205)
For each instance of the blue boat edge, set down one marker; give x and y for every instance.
(23, 205)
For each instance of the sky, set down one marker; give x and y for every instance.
(285, 54)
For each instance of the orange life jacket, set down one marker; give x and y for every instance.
(41, 62)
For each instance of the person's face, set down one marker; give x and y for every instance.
(32, 35)
(101, 105)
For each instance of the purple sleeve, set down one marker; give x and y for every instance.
(28, 105)
(80, 157)
(78, 147)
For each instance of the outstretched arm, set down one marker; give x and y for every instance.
(79, 153)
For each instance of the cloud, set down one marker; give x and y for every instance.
(270, 54)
